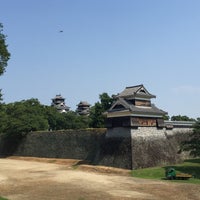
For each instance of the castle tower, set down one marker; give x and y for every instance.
(83, 108)
(59, 103)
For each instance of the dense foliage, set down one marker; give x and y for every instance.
(20, 118)
(4, 54)
(97, 115)
(69, 120)
(29, 115)
(181, 118)
(166, 117)
(193, 144)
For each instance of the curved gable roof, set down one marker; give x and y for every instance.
(135, 91)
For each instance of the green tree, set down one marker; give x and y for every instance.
(54, 118)
(181, 118)
(193, 144)
(22, 117)
(96, 116)
(75, 121)
(4, 54)
(18, 119)
(69, 120)
(97, 111)
(3, 118)
(166, 117)
(106, 101)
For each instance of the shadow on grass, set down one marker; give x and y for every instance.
(193, 160)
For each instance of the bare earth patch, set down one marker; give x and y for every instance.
(38, 178)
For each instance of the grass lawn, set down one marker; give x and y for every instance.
(1, 198)
(191, 166)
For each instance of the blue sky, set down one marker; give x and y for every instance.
(105, 46)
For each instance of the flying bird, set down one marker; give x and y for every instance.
(61, 31)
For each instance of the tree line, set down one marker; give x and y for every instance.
(30, 115)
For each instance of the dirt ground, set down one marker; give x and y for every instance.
(34, 179)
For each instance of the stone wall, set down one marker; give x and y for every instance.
(77, 144)
(156, 147)
(90, 145)
(116, 152)
(118, 147)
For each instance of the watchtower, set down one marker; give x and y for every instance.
(133, 108)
